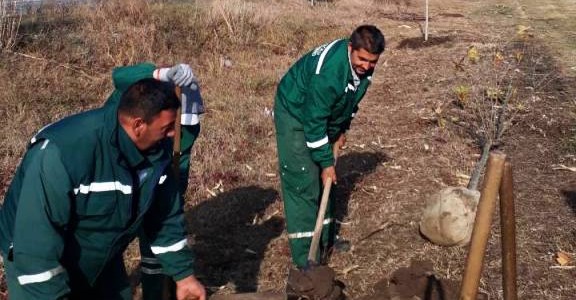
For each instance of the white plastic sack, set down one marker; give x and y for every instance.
(448, 218)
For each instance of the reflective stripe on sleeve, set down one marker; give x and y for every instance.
(172, 248)
(104, 187)
(40, 277)
(318, 143)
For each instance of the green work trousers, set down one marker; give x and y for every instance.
(301, 188)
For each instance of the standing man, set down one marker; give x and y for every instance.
(155, 285)
(314, 106)
(87, 185)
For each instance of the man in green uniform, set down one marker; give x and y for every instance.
(315, 103)
(87, 185)
(152, 276)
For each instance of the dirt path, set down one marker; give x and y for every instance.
(555, 21)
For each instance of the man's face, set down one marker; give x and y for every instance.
(161, 127)
(362, 61)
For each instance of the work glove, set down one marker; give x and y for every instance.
(192, 104)
(180, 75)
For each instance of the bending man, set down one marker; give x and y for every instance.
(87, 185)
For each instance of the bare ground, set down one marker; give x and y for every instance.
(397, 156)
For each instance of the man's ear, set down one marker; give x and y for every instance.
(137, 125)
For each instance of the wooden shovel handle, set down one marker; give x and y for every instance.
(320, 221)
(177, 136)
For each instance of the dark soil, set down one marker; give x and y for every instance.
(417, 280)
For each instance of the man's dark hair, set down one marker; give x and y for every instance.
(369, 38)
(147, 98)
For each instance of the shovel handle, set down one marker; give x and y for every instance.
(177, 136)
(320, 221)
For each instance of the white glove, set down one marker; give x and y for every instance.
(180, 74)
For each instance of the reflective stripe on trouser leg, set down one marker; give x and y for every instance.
(152, 278)
(301, 188)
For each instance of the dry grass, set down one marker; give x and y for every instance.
(397, 153)
(10, 19)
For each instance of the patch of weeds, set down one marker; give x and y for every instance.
(462, 93)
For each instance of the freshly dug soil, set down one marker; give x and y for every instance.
(417, 281)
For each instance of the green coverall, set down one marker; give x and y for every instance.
(315, 103)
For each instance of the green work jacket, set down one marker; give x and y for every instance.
(80, 195)
(322, 92)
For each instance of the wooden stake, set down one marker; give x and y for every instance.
(482, 223)
(508, 227)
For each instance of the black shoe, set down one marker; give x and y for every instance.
(342, 245)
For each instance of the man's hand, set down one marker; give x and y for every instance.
(190, 288)
(329, 172)
(180, 75)
(340, 142)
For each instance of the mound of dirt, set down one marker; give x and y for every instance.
(315, 283)
(417, 281)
